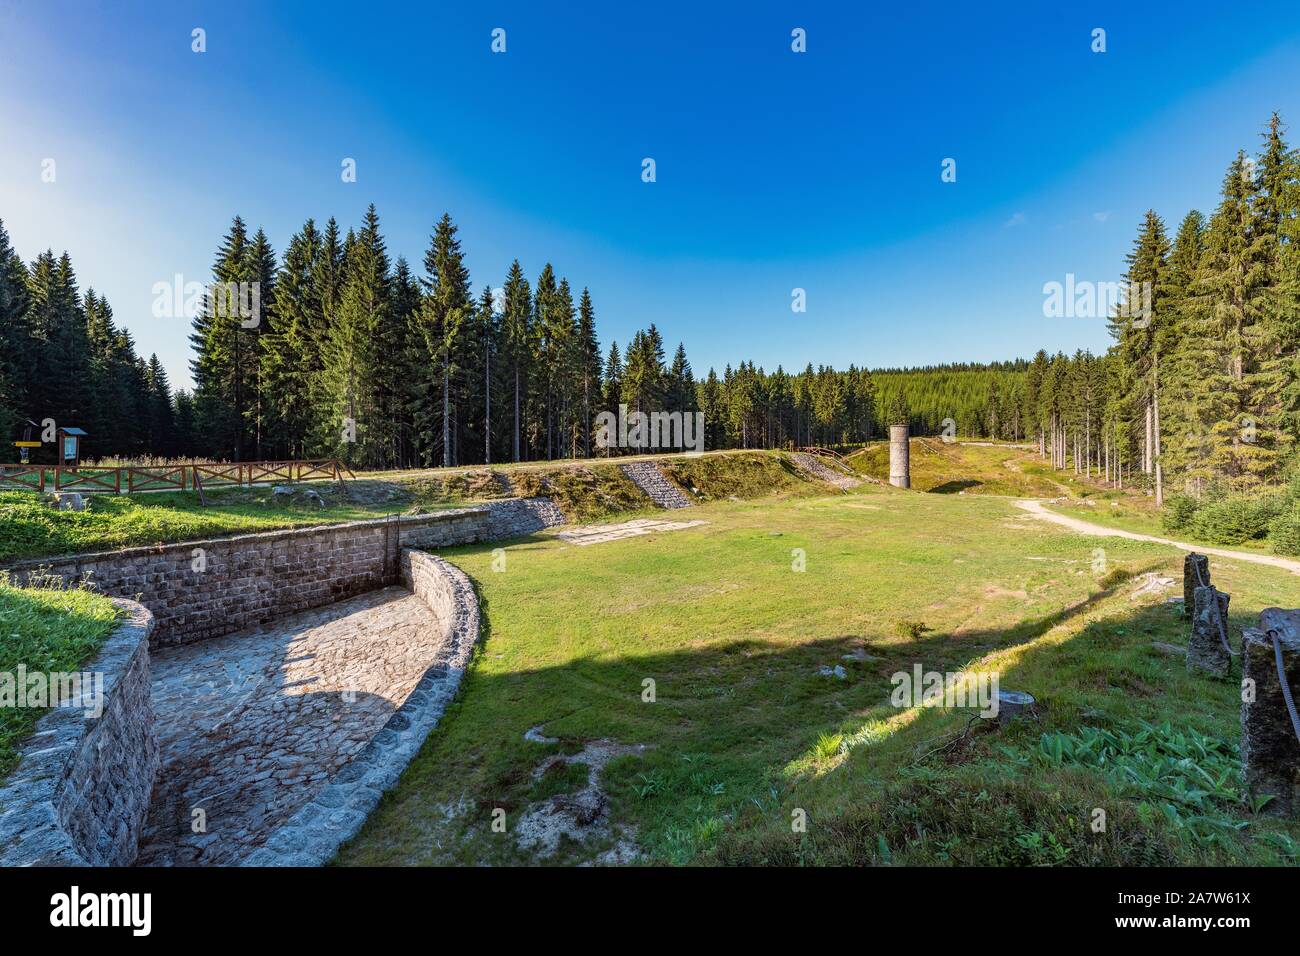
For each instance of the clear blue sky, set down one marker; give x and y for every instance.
(775, 170)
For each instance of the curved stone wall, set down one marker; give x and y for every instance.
(207, 588)
(80, 792)
(313, 834)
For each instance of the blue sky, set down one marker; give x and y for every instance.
(775, 170)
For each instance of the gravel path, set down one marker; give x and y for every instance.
(1036, 509)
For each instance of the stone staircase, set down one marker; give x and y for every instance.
(818, 469)
(647, 476)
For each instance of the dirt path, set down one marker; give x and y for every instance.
(1036, 509)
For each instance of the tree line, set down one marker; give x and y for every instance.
(1201, 390)
(348, 353)
(63, 358)
(333, 349)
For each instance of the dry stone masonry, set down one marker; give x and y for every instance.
(1208, 648)
(816, 468)
(519, 517)
(199, 590)
(647, 476)
(80, 792)
(1270, 751)
(253, 724)
(336, 812)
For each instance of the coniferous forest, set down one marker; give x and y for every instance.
(359, 355)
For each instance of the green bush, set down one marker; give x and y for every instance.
(1284, 532)
(1179, 512)
(1235, 519)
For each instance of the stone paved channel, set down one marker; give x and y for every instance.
(252, 725)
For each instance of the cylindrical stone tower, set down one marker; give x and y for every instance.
(900, 467)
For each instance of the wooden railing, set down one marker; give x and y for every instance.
(22, 478)
(825, 453)
(106, 479)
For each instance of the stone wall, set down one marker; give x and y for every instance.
(81, 790)
(313, 835)
(517, 517)
(203, 589)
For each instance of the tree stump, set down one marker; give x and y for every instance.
(1270, 751)
(1013, 704)
(1205, 649)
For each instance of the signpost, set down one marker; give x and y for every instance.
(23, 449)
(70, 446)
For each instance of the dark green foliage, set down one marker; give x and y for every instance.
(1284, 532)
(1234, 519)
(1179, 512)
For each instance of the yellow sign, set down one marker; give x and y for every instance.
(27, 444)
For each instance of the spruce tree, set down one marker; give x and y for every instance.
(446, 308)
(16, 343)
(517, 351)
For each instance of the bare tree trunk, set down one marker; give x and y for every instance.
(1146, 447)
(516, 428)
(446, 416)
(1087, 442)
(1155, 416)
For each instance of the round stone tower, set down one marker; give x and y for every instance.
(900, 466)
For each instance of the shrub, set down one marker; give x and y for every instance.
(1179, 512)
(1284, 532)
(910, 629)
(1235, 519)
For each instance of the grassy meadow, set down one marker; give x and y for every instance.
(745, 729)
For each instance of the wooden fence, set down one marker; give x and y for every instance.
(105, 479)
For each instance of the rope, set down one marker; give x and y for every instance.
(1218, 612)
(1281, 679)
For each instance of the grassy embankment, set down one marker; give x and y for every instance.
(745, 730)
(45, 630)
(953, 468)
(585, 491)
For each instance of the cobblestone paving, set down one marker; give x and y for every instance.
(252, 725)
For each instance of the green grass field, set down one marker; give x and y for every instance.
(45, 630)
(744, 730)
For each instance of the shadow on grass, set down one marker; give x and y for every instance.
(737, 730)
(952, 487)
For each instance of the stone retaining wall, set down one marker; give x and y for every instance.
(199, 589)
(203, 589)
(313, 835)
(517, 517)
(81, 790)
